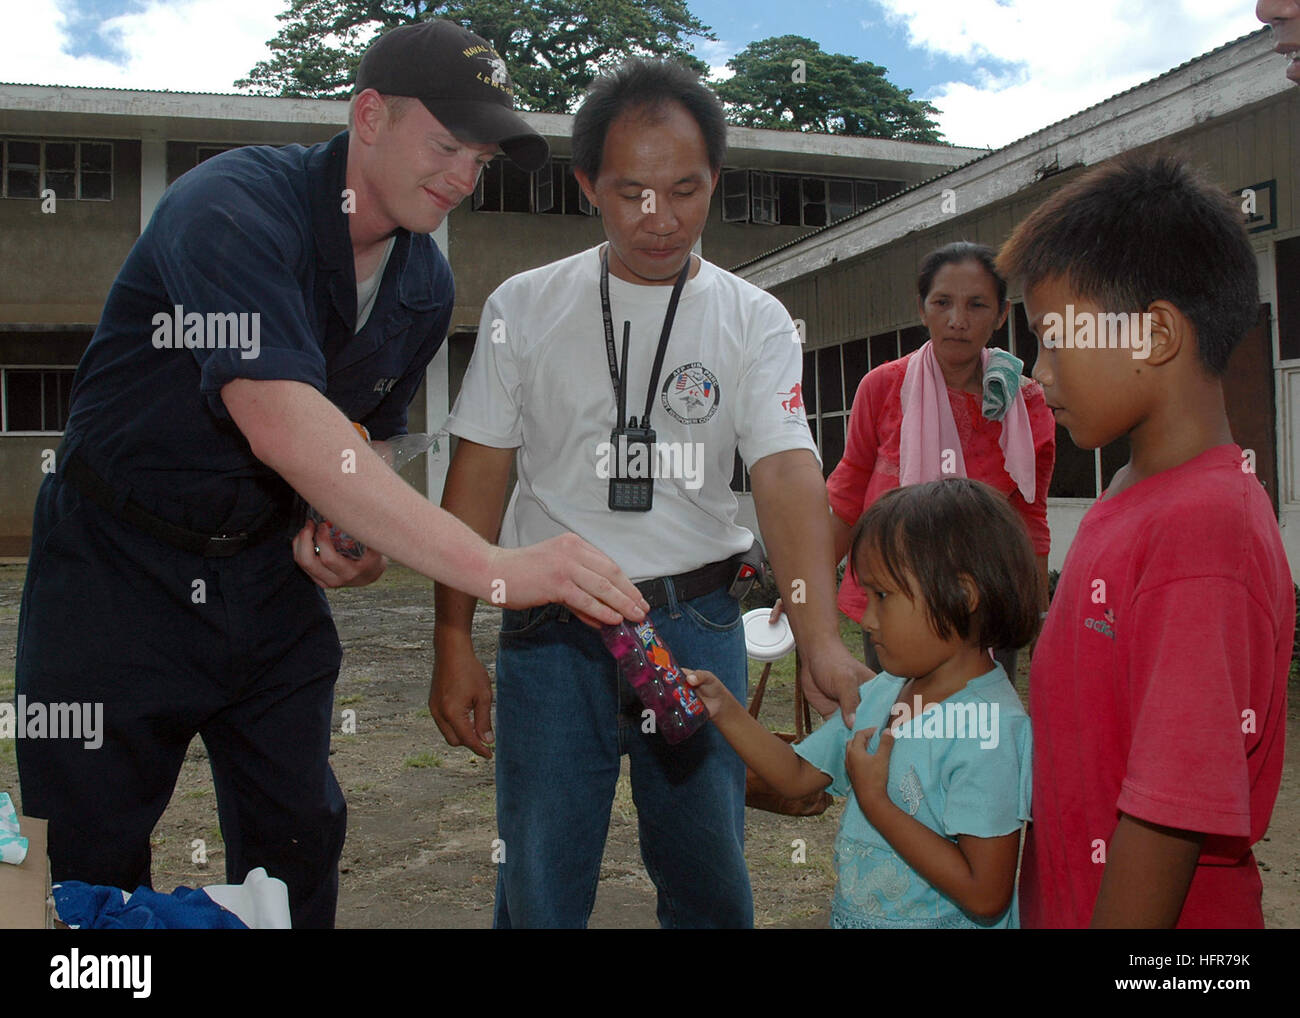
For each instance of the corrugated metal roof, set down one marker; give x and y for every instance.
(946, 173)
(166, 91)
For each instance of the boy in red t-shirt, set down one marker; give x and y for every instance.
(1158, 687)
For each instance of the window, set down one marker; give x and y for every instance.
(1287, 256)
(763, 207)
(884, 347)
(782, 199)
(71, 169)
(814, 201)
(829, 201)
(840, 197)
(735, 196)
(855, 366)
(558, 192)
(1084, 473)
(35, 399)
(788, 201)
(830, 382)
(824, 403)
(503, 187)
(22, 169)
(61, 168)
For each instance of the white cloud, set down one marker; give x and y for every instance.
(182, 45)
(1066, 56)
(716, 53)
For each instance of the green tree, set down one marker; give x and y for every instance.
(829, 93)
(552, 48)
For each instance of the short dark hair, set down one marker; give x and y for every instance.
(940, 531)
(645, 85)
(955, 254)
(1141, 228)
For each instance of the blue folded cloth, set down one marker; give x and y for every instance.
(92, 907)
(1001, 382)
(13, 846)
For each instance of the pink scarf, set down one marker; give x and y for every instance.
(927, 412)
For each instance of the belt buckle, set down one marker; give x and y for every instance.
(225, 545)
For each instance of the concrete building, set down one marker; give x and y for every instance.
(81, 170)
(1231, 112)
(834, 227)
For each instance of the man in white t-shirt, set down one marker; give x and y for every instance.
(543, 385)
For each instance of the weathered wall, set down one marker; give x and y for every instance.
(58, 266)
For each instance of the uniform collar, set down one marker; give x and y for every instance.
(327, 177)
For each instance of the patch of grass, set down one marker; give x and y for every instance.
(425, 759)
(6, 683)
(623, 803)
(351, 698)
(195, 793)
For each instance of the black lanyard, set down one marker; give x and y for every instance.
(620, 383)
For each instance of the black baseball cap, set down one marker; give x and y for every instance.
(460, 79)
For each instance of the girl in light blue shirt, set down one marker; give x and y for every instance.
(937, 768)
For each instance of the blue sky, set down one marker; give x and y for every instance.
(859, 28)
(996, 69)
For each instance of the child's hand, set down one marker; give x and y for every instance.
(709, 688)
(869, 772)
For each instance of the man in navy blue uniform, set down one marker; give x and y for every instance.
(275, 296)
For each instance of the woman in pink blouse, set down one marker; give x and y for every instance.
(951, 408)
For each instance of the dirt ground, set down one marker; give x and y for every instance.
(421, 815)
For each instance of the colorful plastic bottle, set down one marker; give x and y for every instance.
(650, 669)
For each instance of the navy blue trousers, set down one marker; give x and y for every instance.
(241, 651)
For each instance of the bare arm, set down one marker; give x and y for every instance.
(840, 534)
(305, 439)
(1148, 871)
(474, 493)
(460, 694)
(771, 758)
(790, 497)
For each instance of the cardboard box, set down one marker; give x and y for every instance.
(25, 889)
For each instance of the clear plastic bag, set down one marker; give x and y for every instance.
(397, 452)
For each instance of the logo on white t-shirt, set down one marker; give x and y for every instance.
(793, 406)
(691, 393)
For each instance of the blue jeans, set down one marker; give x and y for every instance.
(563, 720)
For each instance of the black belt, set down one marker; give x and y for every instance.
(687, 586)
(97, 490)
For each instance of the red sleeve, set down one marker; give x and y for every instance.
(846, 488)
(1043, 426)
(1189, 680)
